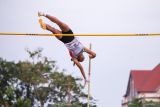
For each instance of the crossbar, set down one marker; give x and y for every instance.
(41, 34)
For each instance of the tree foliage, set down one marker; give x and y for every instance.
(138, 103)
(35, 82)
(135, 103)
(152, 104)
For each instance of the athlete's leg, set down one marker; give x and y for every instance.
(49, 28)
(64, 27)
(54, 31)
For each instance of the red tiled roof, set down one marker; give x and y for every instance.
(145, 80)
(153, 81)
(140, 78)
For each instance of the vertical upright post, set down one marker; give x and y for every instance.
(89, 73)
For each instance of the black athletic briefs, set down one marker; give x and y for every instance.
(67, 39)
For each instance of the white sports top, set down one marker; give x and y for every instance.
(75, 47)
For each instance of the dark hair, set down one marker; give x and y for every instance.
(73, 62)
(79, 56)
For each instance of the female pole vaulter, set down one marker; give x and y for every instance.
(74, 46)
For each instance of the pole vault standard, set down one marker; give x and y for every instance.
(41, 34)
(89, 73)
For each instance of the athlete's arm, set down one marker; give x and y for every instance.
(80, 67)
(91, 53)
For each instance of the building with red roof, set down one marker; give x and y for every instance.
(143, 85)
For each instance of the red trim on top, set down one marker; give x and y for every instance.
(70, 53)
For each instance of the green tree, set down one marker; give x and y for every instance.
(22, 103)
(135, 103)
(7, 78)
(22, 84)
(42, 94)
(152, 104)
(31, 75)
(138, 103)
(67, 91)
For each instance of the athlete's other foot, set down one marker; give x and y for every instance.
(43, 25)
(41, 14)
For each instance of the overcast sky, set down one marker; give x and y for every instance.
(116, 56)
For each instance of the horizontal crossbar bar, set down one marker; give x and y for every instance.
(38, 34)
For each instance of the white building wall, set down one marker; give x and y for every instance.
(150, 96)
(147, 96)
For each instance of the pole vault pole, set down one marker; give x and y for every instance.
(89, 73)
